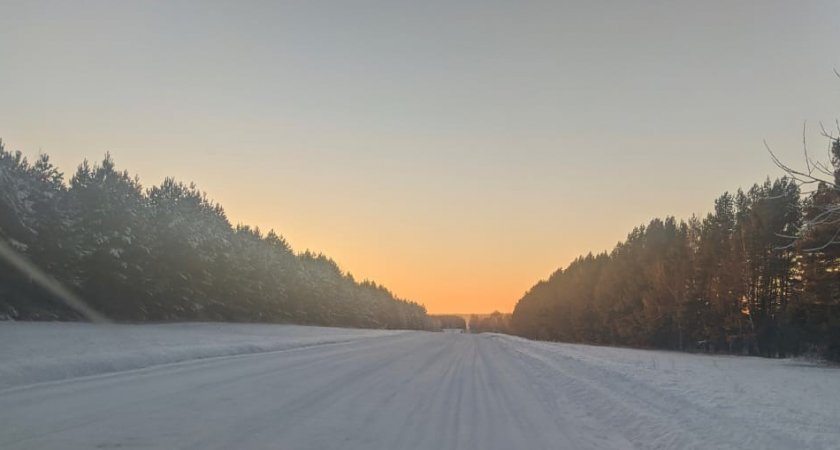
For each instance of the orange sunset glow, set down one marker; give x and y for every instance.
(456, 161)
(419, 225)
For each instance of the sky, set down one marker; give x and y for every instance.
(455, 151)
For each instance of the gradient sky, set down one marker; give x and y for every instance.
(456, 152)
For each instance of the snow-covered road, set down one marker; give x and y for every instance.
(382, 390)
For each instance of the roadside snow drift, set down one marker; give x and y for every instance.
(35, 352)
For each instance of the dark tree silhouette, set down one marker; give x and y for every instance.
(730, 282)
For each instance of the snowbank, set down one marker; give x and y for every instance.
(678, 400)
(34, 352)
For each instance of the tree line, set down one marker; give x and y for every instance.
(495, 322)
(166, 253)
(448, 321)
(759, 275)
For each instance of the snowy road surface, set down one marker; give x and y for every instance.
(383, 390)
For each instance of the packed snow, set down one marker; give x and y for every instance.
(198, 386)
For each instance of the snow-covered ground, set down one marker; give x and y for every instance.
(46, 351)
(198, 386)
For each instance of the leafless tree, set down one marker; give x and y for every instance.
(817, 177)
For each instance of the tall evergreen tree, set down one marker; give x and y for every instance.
(167, 253)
